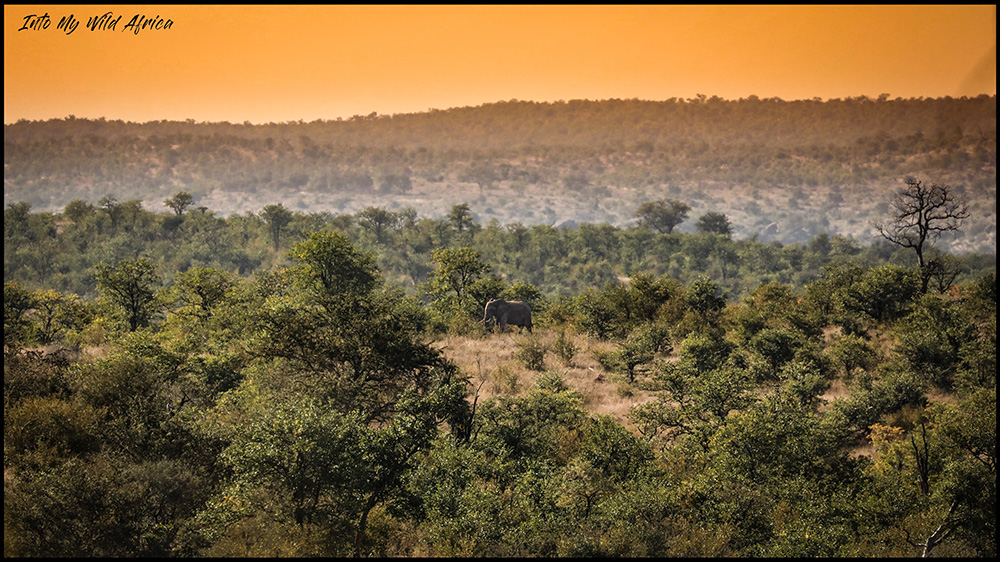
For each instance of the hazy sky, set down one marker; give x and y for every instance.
(284, 63)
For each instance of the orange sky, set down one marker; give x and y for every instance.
(285, 63)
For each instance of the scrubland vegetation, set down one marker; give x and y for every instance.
(283, 382)
(314, 407)
(780, 170)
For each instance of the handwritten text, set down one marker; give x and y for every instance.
(107, 21)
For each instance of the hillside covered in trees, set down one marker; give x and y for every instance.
(780, 170)
(259, 385)
(44, 250)
(268, 340)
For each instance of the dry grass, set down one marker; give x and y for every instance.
(838, 389)
(494, 369)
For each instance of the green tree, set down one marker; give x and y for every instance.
(949, 452)
(114, 209)
(930, 338)
(460, 217)
(640, 347)
(703, 296)
(78, 210)
(333, 320)
(136, 390)
(200, 291)
(522, 291)
(776, 477)
(131, 286)
(883, 293)
(343, 397)
(978, 357)
(775, 347)
(693, 400)
(56, 313)
(179, 202)
(330, 260)
(616, 309)
(17, 302)
(603, 313)
(105, 507)
(662, 215)
(482, 174)
(277, 218)
(379, 221)
(852, 353)
(16, 220)
(704, 302)
(457, 270)
(714, 223)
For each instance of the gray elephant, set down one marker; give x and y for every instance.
(508, 313)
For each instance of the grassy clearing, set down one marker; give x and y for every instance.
(493, 366)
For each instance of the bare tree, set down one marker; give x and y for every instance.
(938, 536)
(921, 214)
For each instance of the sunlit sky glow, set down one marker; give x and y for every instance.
(285, 63)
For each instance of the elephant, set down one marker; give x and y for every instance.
(513, 313)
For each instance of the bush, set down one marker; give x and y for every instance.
(704, 352)
(881, 293)
(851, 353)
(888, 394)
(505, 381)
(558, 312)
(565, 348)
(531, 353)
(641, 346)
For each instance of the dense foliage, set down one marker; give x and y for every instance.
(781, 170)
(64, 251)
(209, 396)
(192, 369)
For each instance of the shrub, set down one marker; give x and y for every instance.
(850, 353)
(888, 394)
(505, 381)
(565, 348)
(531, 353)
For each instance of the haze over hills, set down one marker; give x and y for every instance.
(779, 170)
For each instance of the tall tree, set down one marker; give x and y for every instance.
(179, 202)
(378, 220)
(17, 302)
(920, 214)
(461, 217)
(482, 174)
(130, 285)
(78, 210)
(114, 209)
(662, 215)
(716, 223)
(277, 218)
(457, 270)
(330, 259)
